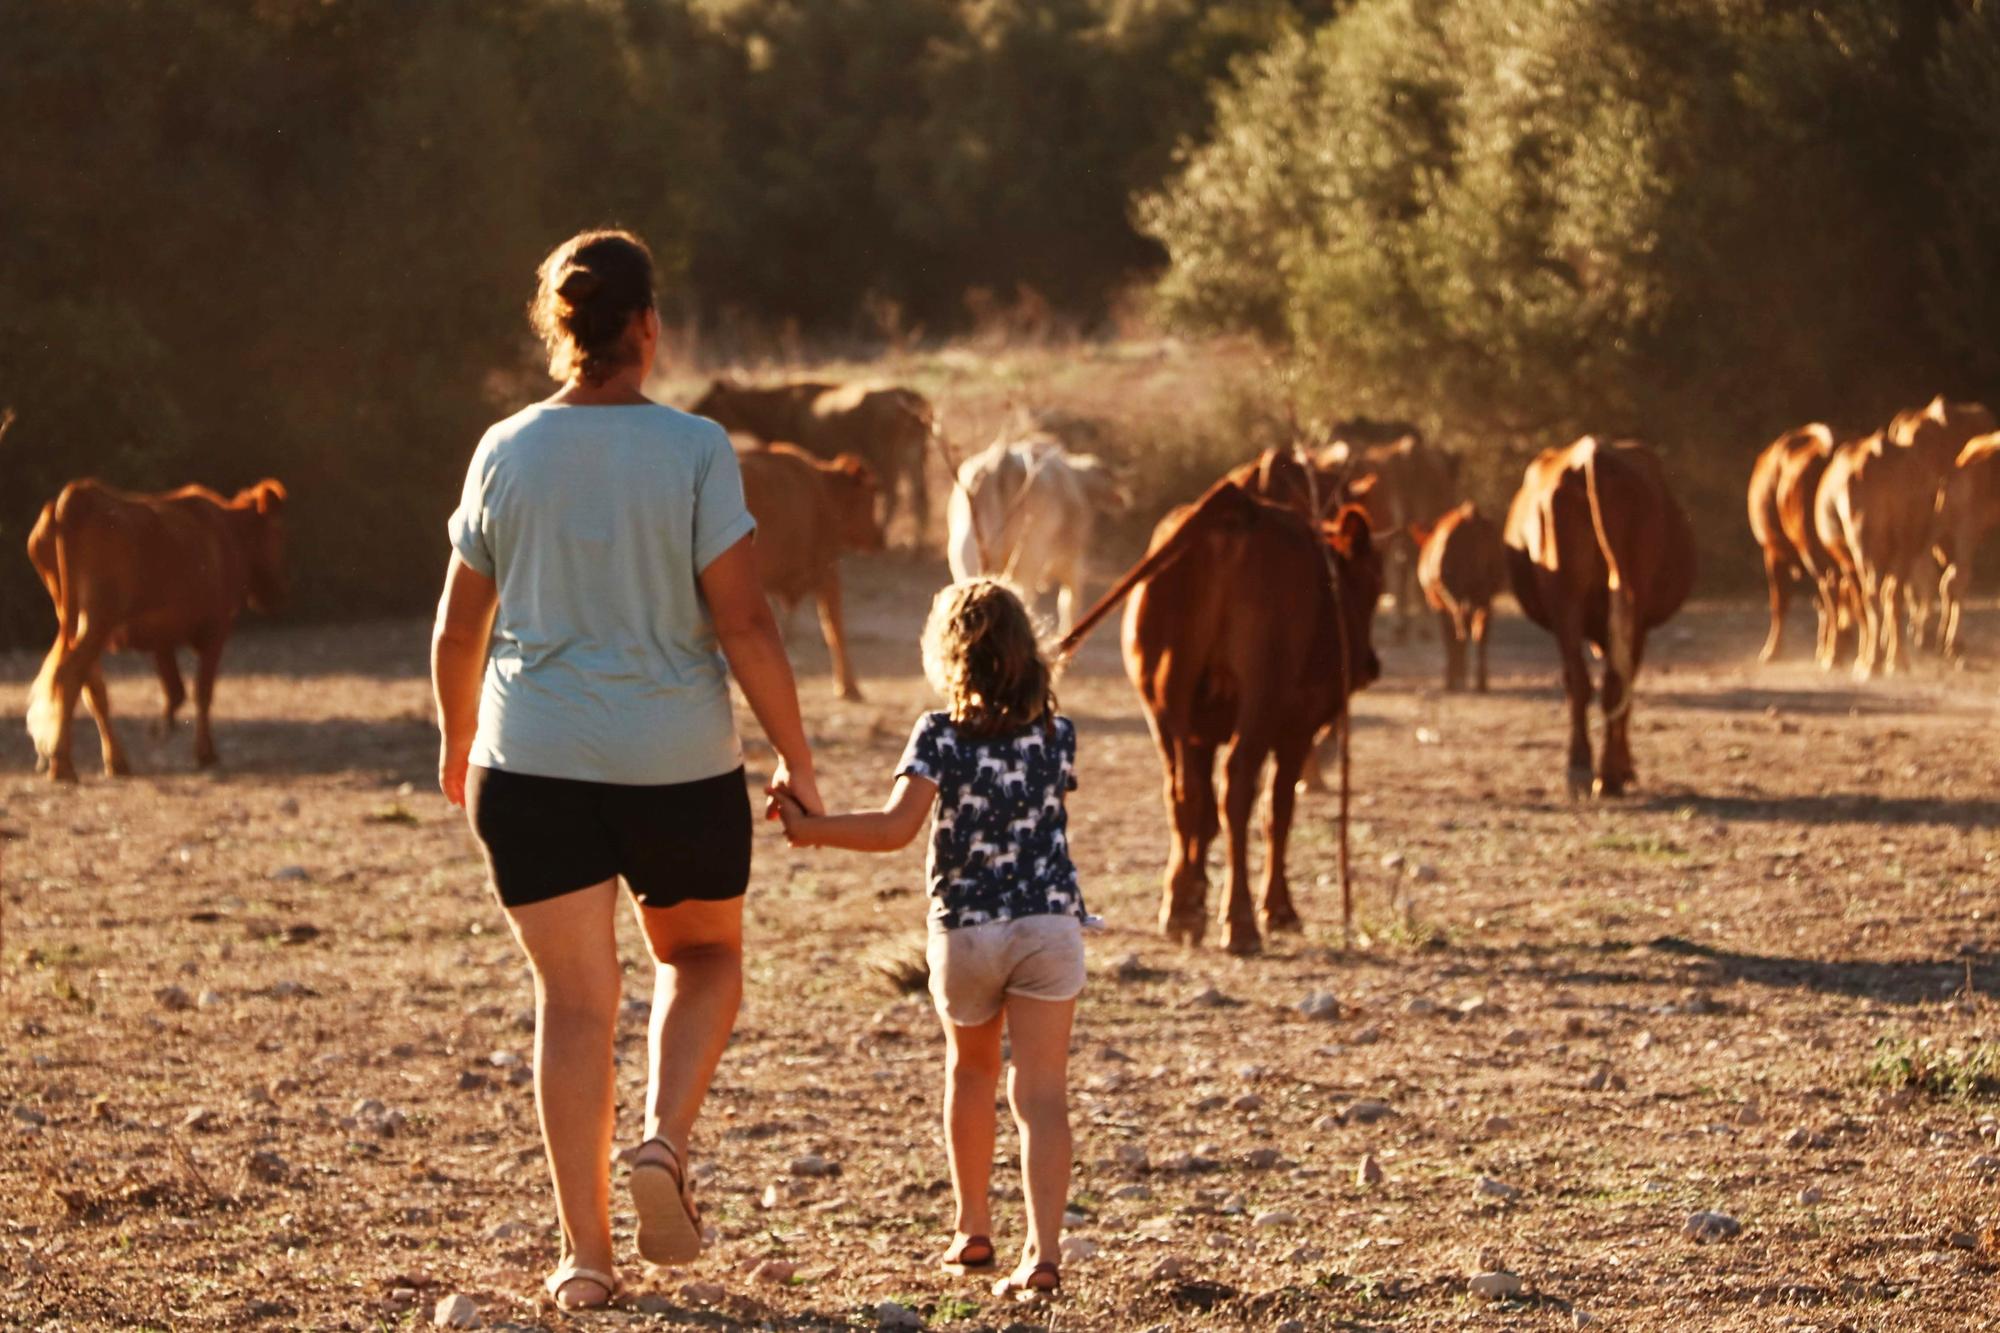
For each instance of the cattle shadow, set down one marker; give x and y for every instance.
(1802, 702)
(1909, 982)
(1851, 807)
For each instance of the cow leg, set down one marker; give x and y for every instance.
(1065, 606)
(1454, 651)
(1777, 576)
(69, 673)
(1952, 589)
(1892, 623)
(835, 633)
(1279, 913)
(1825, 641)
(1615, 770)
(170, 682)
(920, 495)
(1577, 689)
(1480, 616)
(99, 700)
(208, 659)
(1190, 796)
(1867, 647)
(1240, 769)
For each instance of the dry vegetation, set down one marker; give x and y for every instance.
(263, 1026)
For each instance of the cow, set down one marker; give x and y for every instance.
(148, 573)
(808, 511)
(1938, 432)
(1026, 511)
(1461, 566)
(1599, 550)
(1783, 481)
(1968, 508)
(888, 428)
(1402, 482)
(1246, 633)
(1877, 513)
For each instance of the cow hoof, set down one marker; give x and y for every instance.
(208, 759)
(1183, 930)
(61, 773)
(118, 768)
(1244, 943)
(1608, 788)
(1285, 922)
(851, 695)
(1579, 783)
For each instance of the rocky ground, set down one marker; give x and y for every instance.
(1722, 1055)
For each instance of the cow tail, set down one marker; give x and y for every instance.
(1177, 544)
(1623, 612)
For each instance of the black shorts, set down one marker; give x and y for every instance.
(674, 843)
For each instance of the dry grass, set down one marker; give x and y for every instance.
(1807, 871)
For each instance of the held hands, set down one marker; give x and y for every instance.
(791, 797)
(793, 815)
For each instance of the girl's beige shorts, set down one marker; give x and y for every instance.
(975, 968)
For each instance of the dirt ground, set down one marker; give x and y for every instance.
(264, 1041)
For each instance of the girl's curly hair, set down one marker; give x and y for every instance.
(980, 653)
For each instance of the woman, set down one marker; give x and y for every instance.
(602, 551)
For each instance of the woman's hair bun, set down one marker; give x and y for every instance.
(578, 285)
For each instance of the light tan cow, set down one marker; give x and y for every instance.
(1876, 512)
(1968, 508)
(1027, 511)
(809, 511)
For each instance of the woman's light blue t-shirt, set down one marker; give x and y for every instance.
(595, 523)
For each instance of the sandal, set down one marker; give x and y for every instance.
(1043, 1281)
(669, 1223)
(968, 1254)
(570, 1271)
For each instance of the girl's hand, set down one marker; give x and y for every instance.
(801, 786)
(793, 815)
(453, 761)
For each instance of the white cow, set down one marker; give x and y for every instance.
(1037, 505)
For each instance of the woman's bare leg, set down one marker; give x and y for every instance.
(697, 950)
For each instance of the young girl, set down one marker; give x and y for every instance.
(1006, 942)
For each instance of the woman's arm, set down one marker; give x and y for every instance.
(458, 660)
(883, 830)
(750, 640)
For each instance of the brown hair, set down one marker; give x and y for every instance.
(590, 287)
(980, 653)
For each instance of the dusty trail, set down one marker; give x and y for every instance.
(1626, 1013)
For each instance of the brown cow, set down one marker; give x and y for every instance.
(1403, 483)
(1785, 478)
(148, 573)
(1247, 631)
(1938, 432)
(1461, 565)
(808, 511)
(1877, 513)
(1968, 508)
(888, 428)
(1599, 550)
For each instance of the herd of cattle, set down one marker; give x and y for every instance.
(1248, 623)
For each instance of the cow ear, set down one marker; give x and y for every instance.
(1362, 484)
(271, 496)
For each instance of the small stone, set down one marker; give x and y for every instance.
(1248, 1102)
(468, 1081)
(1962, 1240)
(1750, 1113)
(775, 1270)
(198, 1118)
(890, 1314)
(1291, 1326)
(1277, 1217)
(1165, 1270)
(268, 1167)
(173, 998)
(511, 1231)
(286, 989)
(1516, 1037)
(1496, 1124)
(1319, 1004)
(524, 1020)
(1582, 1319)
(288, 806)
(813, 1165)
(210, 999)
(1128, 968)
(704, 1293)
(1424, 873)
(1367, 1036)
(1392, 860)
(1811, 1195)
(1215, 1101)
(1261, 1159)
(1208, 997)
(367, 1109)
(1495, 1286)
(1801, 1137)
(1327, 1123)
(503, 1059)
(1489, 1188)
(1984, 1164)
(1645, 1041)
(1075, 1249)
(654, 1303)
(1131, 1192)
(1369, 1172)
(770, 1198)
(1235, 1206)
(1365, 1112)
(1420, 1006)
(455, 1311)
(1706, 1226)
(1478, 1007)
(1602, 1078)
(300, 875)
(1131, 1155)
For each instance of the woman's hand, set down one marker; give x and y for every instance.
(801, 786)
(793, 815)
(453, 763)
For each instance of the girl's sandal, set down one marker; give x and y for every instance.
(669, 1223)
(570, 1271)
(968, 1254)
(1041, 1283)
